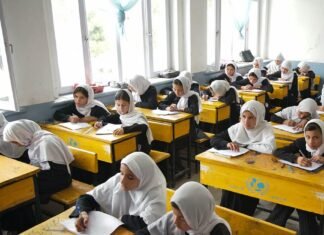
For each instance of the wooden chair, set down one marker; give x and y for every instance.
(84, 160)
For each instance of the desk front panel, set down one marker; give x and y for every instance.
(253, 96)
(266, 180)
(210, 114)
(284, 135)
(280, 91)
(303, 83)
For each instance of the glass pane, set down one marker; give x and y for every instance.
(68, 41)
(159, 35)
(211, 32)
(132, 43)
(101, 18)
(252, 26)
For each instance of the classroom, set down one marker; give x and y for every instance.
(185, 85)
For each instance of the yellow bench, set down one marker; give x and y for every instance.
(159, 156)
(275, 109)
(316, 82)
(84, 160)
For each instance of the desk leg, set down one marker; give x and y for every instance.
(322, 224)
(173, 156)
(37, 202)
(189, 156)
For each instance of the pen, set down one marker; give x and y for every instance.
(301, 153)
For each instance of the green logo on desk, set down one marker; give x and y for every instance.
(256, 185)
(72, 142)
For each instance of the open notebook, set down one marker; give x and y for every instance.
(288, 129)
(313, 167)
(228, 153)
(75, 126)
(99, 224)
(108, 129)
(164, 112)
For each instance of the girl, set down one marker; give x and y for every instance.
(222, 91)
(45, 151)
(136, 195)
(144, 93)
(286, 74)
(9, 149)
(274, 66)
(184, 100)
(297, 116)
(258, 64)
(194, 85)
(131, 120)
(303, 69)
(84, 108)
(230, 74)
(254, 133)
(312, 149)
(193, 212)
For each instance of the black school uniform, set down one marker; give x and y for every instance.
(148, 99)
(63, 114)
(223, 76)
(280, 214)
(311, 75)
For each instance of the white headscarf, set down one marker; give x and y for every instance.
(303, 65)
(86, 110)
(236, 74)
(42, 145)
(261, 137)
(259, 61)
(146, 201)
(273, 67)
(257, 72)
(290, 75)
(8, 149)
(320, 150)
(221, 87)
(140, 84)
(133, 117)
(197, 205)
(322, 97)
(187, 75)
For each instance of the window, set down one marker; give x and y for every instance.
(90, 48)
(8, 101)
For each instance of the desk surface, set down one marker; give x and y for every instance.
(13, 170)
(53, 226)
(165, 118)
(215, 104)
(285, 135)
(247, 92)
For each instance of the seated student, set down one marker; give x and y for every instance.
(230, 74)
(286, 74)
(84, 108)
(222, 91)
(130, 119)
(303, 69)
(258, 64)
(297, 116)
(274, 66)
(254, 133)
(144, 93)
(136, 195)
(321, 108)
(303, 151)
(193, 212)
(46, 151)
(184, 100)
(9, 149)
(194, 85)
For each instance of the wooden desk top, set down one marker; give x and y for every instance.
(280, 134)
(13, 170)
(214, 104)
(304, 78)
(266, 164)
(248, 92)
(165, 118)
(90, 133)
(278, 84)
(53, 226)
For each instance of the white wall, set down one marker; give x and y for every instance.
(25, 23)
(296, 29)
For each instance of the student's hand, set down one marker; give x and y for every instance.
(119, 131)
(304, 161)
(247, 87)
(233, 146)
(97, 124)
(321, 108)
(301, 124)
(205, 97)
(289, 123)
(258, 86)
(173, 107)
(74, 119)
(88, 119)
(82, 222)
(318, 159)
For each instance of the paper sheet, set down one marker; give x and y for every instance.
(320, 112)
(99, 224)
(288, 129)
(229, 153)
(75, 126)
(108, 129)
(309, 168)
(164, 112)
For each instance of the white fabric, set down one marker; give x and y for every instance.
(197, 205)
(257, 72)
(322, 96)
(273, 67)
(288, 76)
(320, 150)
(303, 66)
(261, 137)
(8, 149)
(133, 117)
(86, 110)
(146, 201)
(236, 74)
(259, 61)
(221, 87)
(280, 57)
(186, 74)
(42, 145)
(140, 84)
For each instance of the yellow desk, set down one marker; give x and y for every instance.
(264, 179)
(303, 85)
(169, 128)
(109, 148)
(322, 117)
(249, 95)
(214, 112)
(285, 135)
(17, 184)
(53, 226)
(280, 92)
(161, 97)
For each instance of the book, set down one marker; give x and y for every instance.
(313, 167)
(212, 99)
(108, 129)
(75, 126)
(99, 224)
(320, 112)
(164, 112)
(289, 129)
(228, 153)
